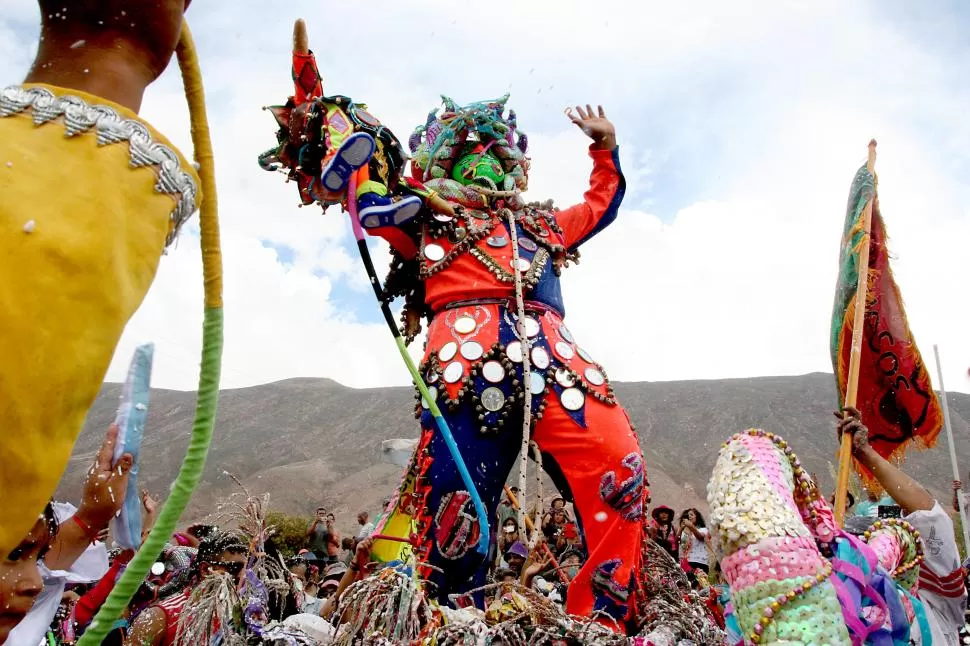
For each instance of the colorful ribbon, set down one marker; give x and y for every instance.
(212, 336)
(439, 419)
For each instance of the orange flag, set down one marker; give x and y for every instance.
(895, 395)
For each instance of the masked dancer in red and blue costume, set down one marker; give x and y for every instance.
(474, 157)
(454, 265)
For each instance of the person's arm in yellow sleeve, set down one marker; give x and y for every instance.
(90, 196)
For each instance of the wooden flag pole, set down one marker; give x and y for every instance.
(855, 353)
(953, 450)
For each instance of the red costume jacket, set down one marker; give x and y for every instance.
(471, 257)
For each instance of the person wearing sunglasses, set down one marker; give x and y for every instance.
(158, 625)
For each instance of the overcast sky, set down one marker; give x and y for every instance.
(741, 125)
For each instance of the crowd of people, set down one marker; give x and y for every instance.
(324, 543)
(63, 571)
(550, 556)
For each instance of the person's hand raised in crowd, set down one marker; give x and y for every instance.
(850, 421)
(539, 561)
(69, 597)
(111, 48)
(149, 503)
(105, 485)
(149, 513)
(362, 553)
(104, 494)
(357, 565)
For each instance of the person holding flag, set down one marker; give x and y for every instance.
(796, 577)
(795, 574)
(941, 587)
(877, 365)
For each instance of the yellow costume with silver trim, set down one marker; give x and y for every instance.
(90, 196)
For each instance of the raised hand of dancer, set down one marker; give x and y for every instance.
(111, 48)
(595, 125)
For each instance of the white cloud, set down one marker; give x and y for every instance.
(741, 126)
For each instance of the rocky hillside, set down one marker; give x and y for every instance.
(311, 442)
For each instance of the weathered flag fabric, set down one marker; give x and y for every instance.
(895, 394)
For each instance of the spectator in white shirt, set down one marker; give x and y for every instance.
(693, 543)
(366, 528)
(941, 587)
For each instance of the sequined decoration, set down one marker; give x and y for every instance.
(456, 529)
(625, 497)
(572, 398)
(610, 596)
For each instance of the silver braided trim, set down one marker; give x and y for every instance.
(111, 128)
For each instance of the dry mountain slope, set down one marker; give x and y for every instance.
(313, 441)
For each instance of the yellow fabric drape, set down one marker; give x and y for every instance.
(81, 235)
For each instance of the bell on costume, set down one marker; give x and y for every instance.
(352, 155)
(381, 211)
